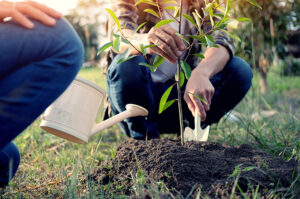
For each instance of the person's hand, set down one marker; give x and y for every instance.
(169, 45)
(20, 10)
(197, 86)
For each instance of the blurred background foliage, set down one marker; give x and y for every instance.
(273, 37)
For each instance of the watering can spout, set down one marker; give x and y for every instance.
(132, 110)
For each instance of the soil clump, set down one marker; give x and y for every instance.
(209, 167)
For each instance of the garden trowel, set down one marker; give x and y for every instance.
(198, 134)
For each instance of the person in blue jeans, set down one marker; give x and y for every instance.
(221, 79)
(40, 55)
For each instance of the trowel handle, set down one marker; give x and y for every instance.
(197, 121)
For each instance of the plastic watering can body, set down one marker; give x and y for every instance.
(72, 116)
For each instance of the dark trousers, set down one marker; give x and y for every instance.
(129, 82)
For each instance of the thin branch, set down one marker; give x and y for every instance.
(178, 83)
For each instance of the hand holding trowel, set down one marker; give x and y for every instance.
(198, 134)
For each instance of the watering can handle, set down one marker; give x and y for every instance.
(132, 110)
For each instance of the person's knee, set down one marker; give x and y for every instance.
(127, 72)
(9, 163)
(71, 47)
(242, 73)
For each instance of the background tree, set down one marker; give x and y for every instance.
(88, 21)
(263, 41)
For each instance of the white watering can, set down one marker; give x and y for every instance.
(72, 116)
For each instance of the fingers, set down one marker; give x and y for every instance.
(20, 10)
(35, 13)
(170, 40)
(169, 43)
(22, 20)
(203, 105)
(189, 103)
(45, 9)
(192, 103)
(164, 47)
(179, 42)
(158, 51)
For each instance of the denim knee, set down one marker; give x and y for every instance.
(127, 72)
(71, 49)
(128, 82)
(241, 73)
(9, 163)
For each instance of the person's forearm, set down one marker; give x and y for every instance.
(136, 40)
(214, 61)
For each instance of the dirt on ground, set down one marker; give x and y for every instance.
(209, 167)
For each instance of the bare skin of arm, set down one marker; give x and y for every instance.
(199, 83)
(19, 10)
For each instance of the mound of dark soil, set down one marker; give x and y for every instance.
(205, 166)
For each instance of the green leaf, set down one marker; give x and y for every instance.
(170, 1)
(182, 78)
(104, 47)
(112, 14)
(197, 18)
(201, 56)
(198, 97)
(125, 41)
(228, 6)
(222, 21)
(189, 18)
(170, 8)
(117, 43)
(150, 11)
(144, 48)
(168, 104)
(250, 168)
(211, 13)
(209, 40)
(158, 61)
(236, 170)
(182, 37)
(176, 12)
(232, 35)
(196, 37)
(152, 68)
(163, 22)
(255, 3)
(139, 27)
(244, 19)
(186, 68)
(208, 7)
(124, 60)
(147, 2)
(220, 27)
(124, 55)
(163, 100)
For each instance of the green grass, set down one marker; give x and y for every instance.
(54, 168)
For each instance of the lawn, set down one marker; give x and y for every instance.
(54, 168)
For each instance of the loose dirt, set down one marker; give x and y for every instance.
(196, 166)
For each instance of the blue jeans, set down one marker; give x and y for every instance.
(130, 83)
(36, 67)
